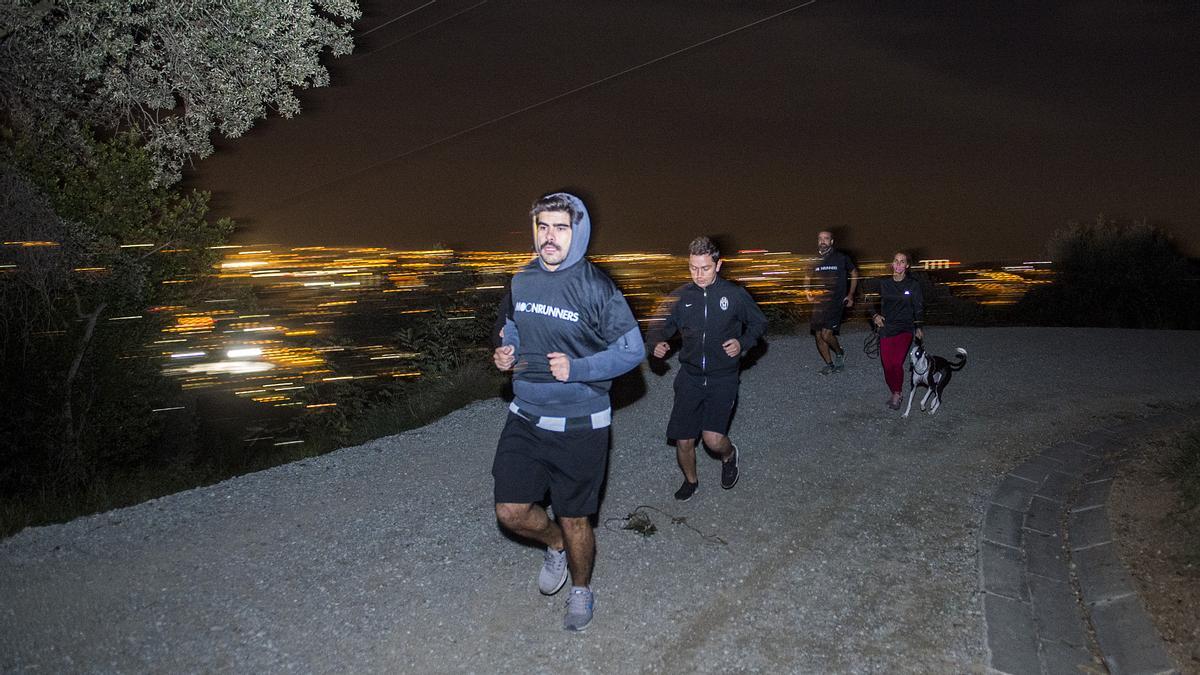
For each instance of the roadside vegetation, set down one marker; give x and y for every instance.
(1155, 512)
(204, 449)
(145, 458)
(1115, 275)
(96, 234)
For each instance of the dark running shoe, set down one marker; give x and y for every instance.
(686, 490)
(729, 470)
(828, 369)
(839, 362)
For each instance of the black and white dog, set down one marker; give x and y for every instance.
(932, 372)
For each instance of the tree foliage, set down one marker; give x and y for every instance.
(91, 240)
(173, 71)
(1116, 275)
(102, 103)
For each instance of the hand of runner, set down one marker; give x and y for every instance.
(560, 366)
(504, 357)
(878, 320)
(732, 347)
(661, 349)
(849, 301)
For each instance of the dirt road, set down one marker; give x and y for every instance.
(849, 545)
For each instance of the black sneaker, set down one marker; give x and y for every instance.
(686, 490)
(729, 470)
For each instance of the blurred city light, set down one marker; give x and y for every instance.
(289, 320)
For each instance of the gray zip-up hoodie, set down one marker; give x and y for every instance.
(576, 310)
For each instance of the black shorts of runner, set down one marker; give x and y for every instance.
(702, 404)
(827, 315)
(570, 464)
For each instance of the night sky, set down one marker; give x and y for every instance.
(968, 130)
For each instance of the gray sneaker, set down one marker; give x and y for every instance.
(554, 572)
(828, 369)
(579, 609)
(839, 362)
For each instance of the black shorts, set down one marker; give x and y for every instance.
(570, 464)
(702, 404)
(827, 315)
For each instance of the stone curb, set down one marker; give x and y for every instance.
(1056, 597)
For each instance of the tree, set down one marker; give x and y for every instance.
(172, 71)
(103, 103)
(1126, 275)
(93, 239)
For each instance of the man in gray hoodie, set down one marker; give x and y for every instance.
(570, 333)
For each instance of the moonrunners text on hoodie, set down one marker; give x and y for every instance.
(546, 310)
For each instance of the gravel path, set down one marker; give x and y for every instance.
(850, 544)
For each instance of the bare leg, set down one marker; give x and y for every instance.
(832, 340)
(581, 549)
(530, 521)
(719, 445)
(685, 454)
(823, 347)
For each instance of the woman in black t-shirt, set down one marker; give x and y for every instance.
(898, 315)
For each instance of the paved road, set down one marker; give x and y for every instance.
(850, 544)
(1057, 596)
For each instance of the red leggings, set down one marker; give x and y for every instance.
(892, 351)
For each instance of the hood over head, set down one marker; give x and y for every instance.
(581, 225)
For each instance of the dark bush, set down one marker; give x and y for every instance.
(1115, 275)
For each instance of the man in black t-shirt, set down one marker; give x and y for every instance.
(832, 284)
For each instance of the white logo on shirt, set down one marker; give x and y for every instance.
(724, 303)
(547, 310)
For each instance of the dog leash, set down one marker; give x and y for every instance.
(871, 344)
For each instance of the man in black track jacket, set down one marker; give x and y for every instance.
(718, 322)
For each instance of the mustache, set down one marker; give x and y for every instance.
(550, 245)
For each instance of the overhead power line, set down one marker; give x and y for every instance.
(435, 24)
(395, 19)
(543, 102)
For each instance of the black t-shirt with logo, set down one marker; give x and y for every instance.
(831, 277)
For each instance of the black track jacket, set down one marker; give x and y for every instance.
(707, 317)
